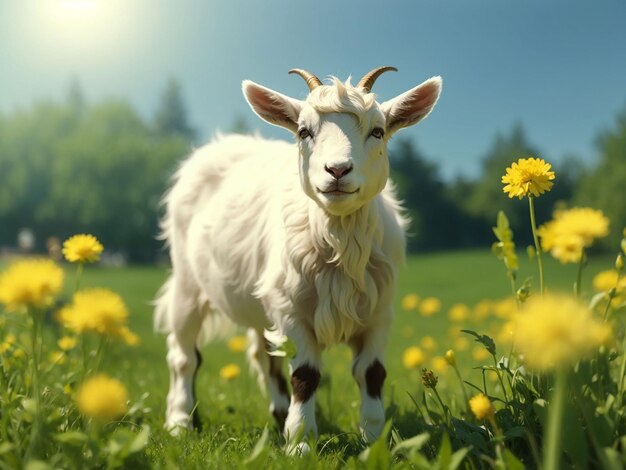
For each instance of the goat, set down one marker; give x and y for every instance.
(302, 239)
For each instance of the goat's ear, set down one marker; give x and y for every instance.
(412, 106)
(272, 106)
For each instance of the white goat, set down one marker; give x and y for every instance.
(302, 239)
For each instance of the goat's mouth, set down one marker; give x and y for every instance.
(336, 192)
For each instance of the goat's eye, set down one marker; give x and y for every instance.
(377, 133)
(304, 133)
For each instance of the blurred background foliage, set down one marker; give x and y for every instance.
(71, 167)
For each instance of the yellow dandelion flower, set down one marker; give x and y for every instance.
(479, 353)
(102, 397)
(8, 343)
(410, 302)
(481, 406)
(66, 343)
(30, 283)
(505, 308)
(429, 343)
(82, 249)
(130, 338)
(482, 310)
(230, 371)
(572, 230)
(607, 280)
(461, 343)
(95, 309)
(413, 357)
(57, 357)
(458, 312)
(556, 331)
(238, 344)
(440, 365)
(450, 357)
(430, 306)
(19, 353)
(492, 375)
(505, 334)
(528, 176)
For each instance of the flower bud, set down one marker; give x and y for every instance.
(623, 244)
(530, 251)
(522, 294)
(619, 263)
(429, 379)
(450, 357)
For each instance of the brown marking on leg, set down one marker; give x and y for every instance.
(280, 416)
(304, 382)
(374, 378)
(197, 424)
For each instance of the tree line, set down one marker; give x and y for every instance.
(72, 167)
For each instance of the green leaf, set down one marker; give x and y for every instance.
(412, 444)
(260, 452)
(74, 438)
(457, 458)
(512, 462)
(140, 441)
(378, 456)
(37, 465)
(6, 447)
(445, 452)
(485, 340)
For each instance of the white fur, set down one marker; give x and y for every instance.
(256, 238)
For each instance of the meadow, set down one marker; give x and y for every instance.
(233, 411)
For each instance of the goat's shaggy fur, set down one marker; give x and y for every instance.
(253, 239)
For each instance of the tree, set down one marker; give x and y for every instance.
(604, 187)
(171, 116)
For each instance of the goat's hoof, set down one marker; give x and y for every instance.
(299, 449)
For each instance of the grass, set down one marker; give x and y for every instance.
(234, 413)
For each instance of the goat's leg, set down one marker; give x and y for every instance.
(305, 377)
(269, 370)
(183, 359)
(369, 372)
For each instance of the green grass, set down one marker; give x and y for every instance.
(234, 413)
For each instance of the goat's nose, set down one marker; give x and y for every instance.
(338, 171)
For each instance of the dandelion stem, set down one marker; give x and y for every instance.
(579, 275)
(552, 449)
(465, 396)
(34, 446)
(499, 374)
(533, 224)
(622, 371)
(79, 275)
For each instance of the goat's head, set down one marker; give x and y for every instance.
(342, 133)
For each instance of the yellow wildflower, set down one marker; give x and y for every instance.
(440, 365)
(505, 308)
(429, 343)
(430, 306)
(66, 343)
(102, 397)
(410, 302)
(413, 357)
(572, 230)
(479, 353)
(458, 312)
(30, 283)
(505, 334)
(82, 248)
(556, 331)
(128, 336)
(238, 343)
(450, 357)
(461, 343)
(57, 357)
(95, 309)
(230, 371)
(529, 176)
(8, 343)
(481, 406)
(607, 280)
(482, 310)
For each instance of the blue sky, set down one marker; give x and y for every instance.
(558, 67)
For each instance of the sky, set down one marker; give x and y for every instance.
(557, 67)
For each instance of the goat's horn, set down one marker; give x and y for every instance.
(311, 80)
(368, 80)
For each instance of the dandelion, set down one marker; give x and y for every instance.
(458, 312)
(230, 371)
(556, 331)
(57, 357)
(238, 344)
(440, 365)
(8, 343)
(505, 308)
(66, 343)
(450, 357)
(482, 310)
(479, 353)
(429, 343)
(82, 249)
(102, 397)
(529, 176)
(430, 306)
(481, 406)
(130, 338)
(95, 309)
(410, 302)
(571, 231)
(30, 283)
(413, 357)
